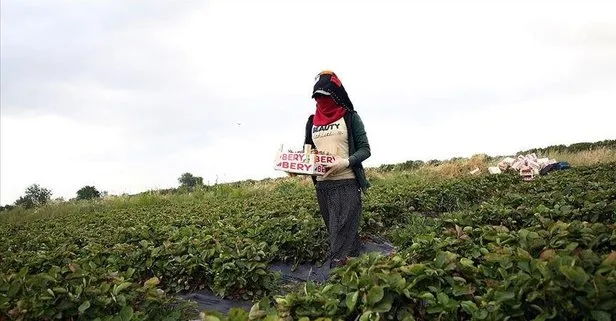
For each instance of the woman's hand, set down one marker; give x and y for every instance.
(338, 166)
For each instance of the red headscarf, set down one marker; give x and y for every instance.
(327, 111)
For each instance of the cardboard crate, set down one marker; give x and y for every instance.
(308, 162)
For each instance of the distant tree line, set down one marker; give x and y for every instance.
(408, 165)
(36, 196)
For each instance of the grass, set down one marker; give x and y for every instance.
(584, 158)
(461, 167)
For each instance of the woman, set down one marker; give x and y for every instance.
(337, 129)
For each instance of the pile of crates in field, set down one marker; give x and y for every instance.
(528, 166)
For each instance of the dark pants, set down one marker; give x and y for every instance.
(340, 205)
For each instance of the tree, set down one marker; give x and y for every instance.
(88, 193)
(6, 208)
(25, 202)
(188, 180)
(35, 196)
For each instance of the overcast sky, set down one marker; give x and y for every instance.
(127, 96)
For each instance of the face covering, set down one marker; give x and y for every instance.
(327, 111)
(328, 83)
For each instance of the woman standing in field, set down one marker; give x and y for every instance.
(337, 129)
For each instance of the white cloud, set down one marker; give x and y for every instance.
(129, 97)
(57, 153)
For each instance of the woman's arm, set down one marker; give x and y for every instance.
(362, 145)
(308, 140)
(308, 134)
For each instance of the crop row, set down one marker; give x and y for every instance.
(501, 250)
(564, 271)
(131, 258)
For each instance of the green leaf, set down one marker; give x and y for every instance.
(469, 307)
(126, 313)
(501, 296)
(118, 288)
(152, 282)
(413, 269)
(572, 246)
(462, 289)
(59, 290)
(14, 289)
(427, 296)
(442, 298)
(351, 300)
(384, 305)
(466, 262)
(434, 309)
(23, 272)
(366, 315)
(375, 294)
(47, 277)
(600, 315)
(256, 312)
(609, 263)
(121, 299)
(481, 315)
(444, 258)
(532, 296)
(84, 306)
(575, 274)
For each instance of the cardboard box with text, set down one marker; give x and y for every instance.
(308, 162)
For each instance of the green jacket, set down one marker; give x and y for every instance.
(359, 148)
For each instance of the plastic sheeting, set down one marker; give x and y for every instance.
(207, 300)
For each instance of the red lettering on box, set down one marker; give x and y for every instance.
(313, 164)
(320, 169)
(324, 159)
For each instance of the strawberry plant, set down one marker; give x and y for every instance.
(475, 248)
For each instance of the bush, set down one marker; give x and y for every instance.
(88, 193)
(35, 196)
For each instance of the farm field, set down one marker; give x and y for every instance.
(484, 247)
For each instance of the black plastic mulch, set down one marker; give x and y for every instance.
(207, 300)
